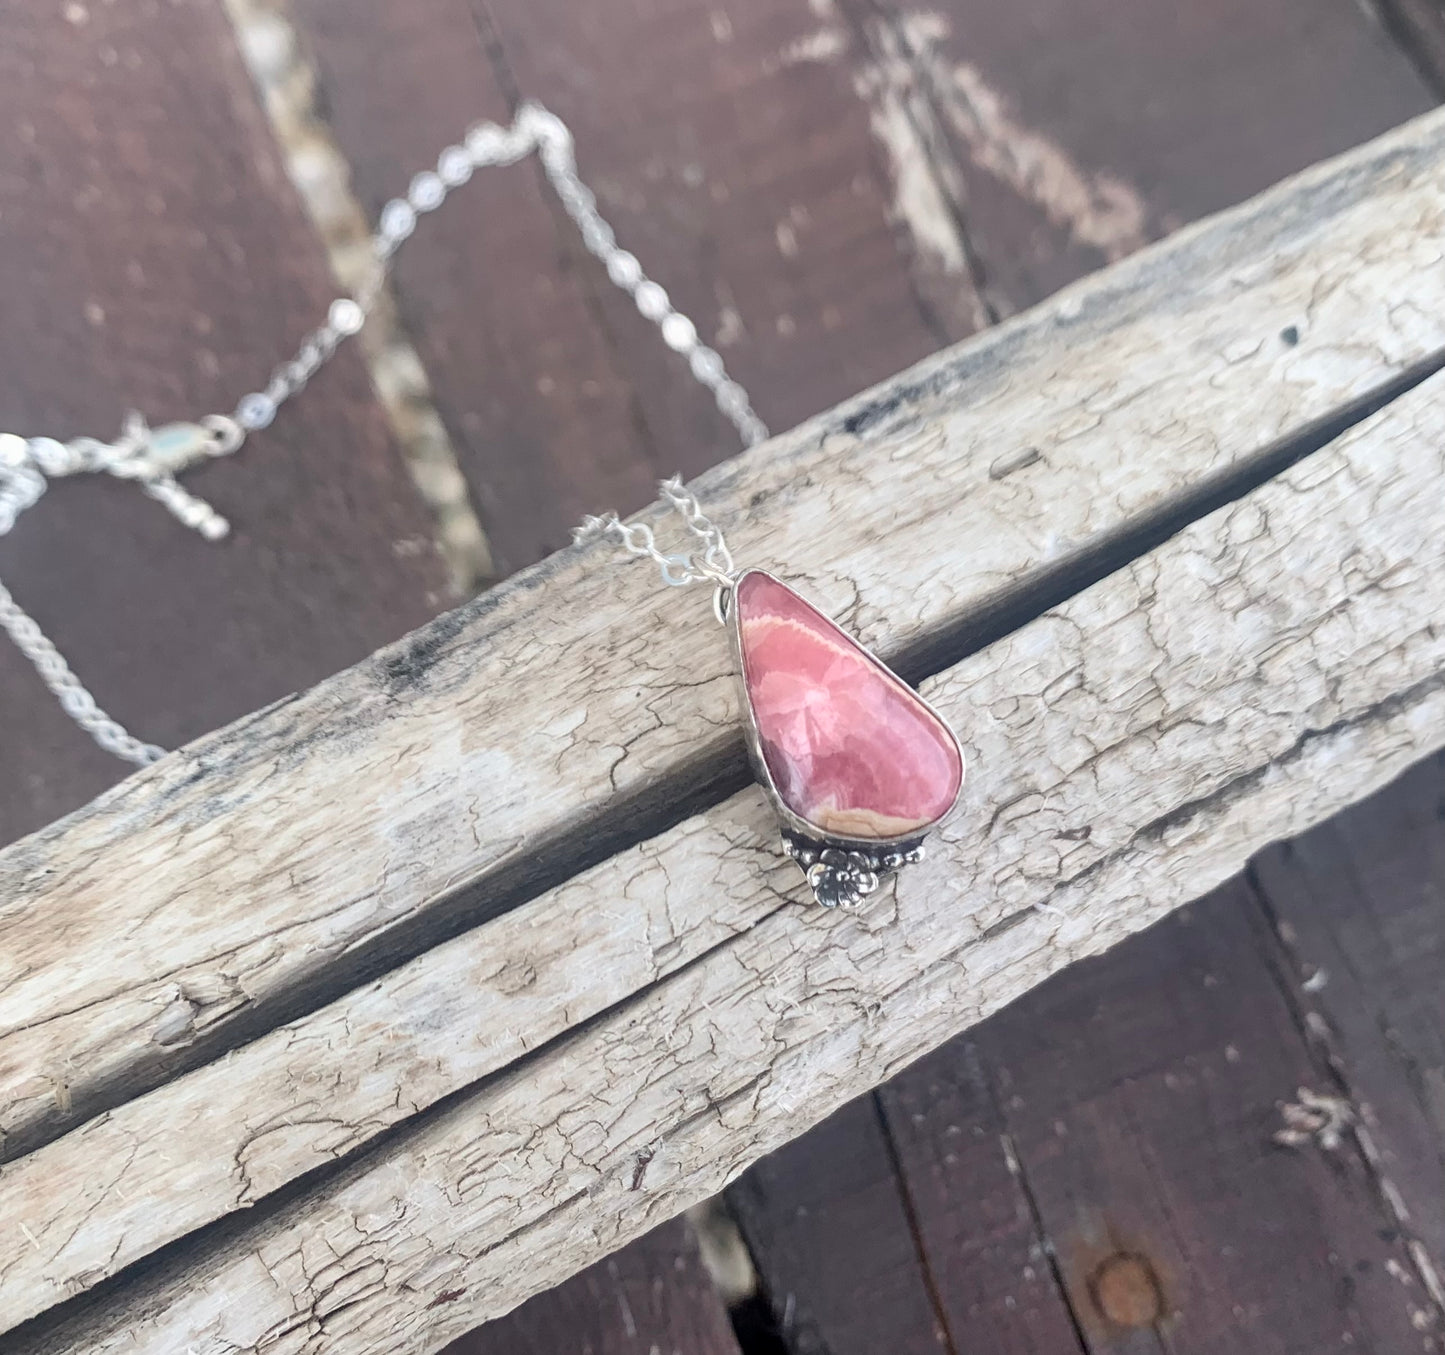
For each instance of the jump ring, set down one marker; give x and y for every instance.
(228, 435)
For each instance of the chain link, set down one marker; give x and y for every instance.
(554, 149)
(74, 699)
(153, 457)
(712, 564)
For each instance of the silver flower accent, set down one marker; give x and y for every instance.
(841, 879)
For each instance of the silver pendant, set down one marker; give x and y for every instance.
(857, 766)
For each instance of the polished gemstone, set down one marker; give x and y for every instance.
(850, 748)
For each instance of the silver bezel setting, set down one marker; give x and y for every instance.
(840, 871)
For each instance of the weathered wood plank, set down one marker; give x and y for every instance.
(1070, 132)
(318, 1088)
(863, 1289)
(1142, 1116)
(1130, 747)
(755, 173)
(1177, 369)
(154, 256)
(560, 397)
(1360, 903)
(652, 1296)
(538, 404)
(987, 1253)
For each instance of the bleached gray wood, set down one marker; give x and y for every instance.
(1130, 749)
(243, 875)
(229, 1133)
(1135, 744)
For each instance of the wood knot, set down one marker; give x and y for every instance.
(1127, 1291)
(516, 976)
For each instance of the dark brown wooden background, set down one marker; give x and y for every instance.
(831, 189)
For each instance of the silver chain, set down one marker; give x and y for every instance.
(712, 564)
(152, 457)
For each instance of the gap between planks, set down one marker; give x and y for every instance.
(286, 81)
(1418, 28)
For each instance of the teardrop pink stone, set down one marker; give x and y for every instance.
(851, 749)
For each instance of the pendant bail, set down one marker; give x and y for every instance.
(722, 599)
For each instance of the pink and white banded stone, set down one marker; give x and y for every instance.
(850, 748)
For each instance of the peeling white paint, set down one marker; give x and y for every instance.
(321, 175)
(918, 198)
(1097, 209)
(922, 203)
(826, 44)
(729, 327)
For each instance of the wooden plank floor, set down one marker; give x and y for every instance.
(832, 189)
(1100, 1167)
(156, 257)
(652, 1296)
(797, 175)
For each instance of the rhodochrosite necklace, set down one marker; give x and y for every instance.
(858, 767)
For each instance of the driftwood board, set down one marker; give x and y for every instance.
(1099, 809)
(1131, 745)
(1042, 446)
